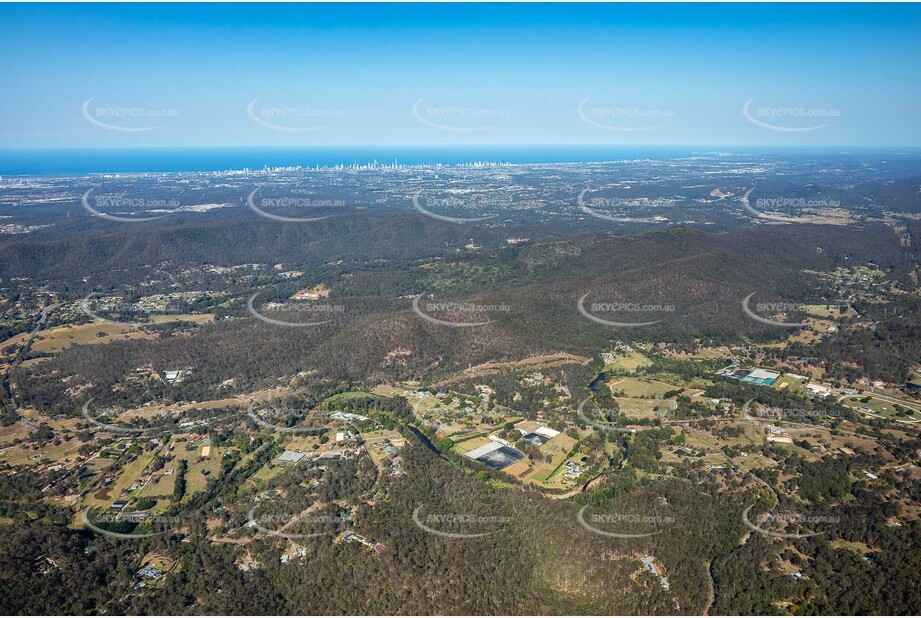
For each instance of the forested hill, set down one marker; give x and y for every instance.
(699, 280)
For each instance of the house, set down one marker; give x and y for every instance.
(118, 505)
(351, 537)
(546, 432)
(290, 457)
(761, 376)
(46, 564)
(501, 441)
(819, 390)
(348, 416)
(176, 376)
(150, 572)
(572, 470)
(653, 566)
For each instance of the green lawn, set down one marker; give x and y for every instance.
(628, 363)
(792, 385)
(882, 406)
(636, 387)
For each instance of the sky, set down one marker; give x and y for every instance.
(206, 75)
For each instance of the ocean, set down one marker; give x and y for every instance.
(17, 162)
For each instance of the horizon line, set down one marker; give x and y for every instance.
(471, 145)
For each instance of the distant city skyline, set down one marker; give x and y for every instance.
(242, 75)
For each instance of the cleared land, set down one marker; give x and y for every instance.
(558, 448)
(628, 362)
(58, 339)
(884, 406)
(638, 388)
(645, 408)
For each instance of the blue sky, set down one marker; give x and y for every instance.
(302, 75)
